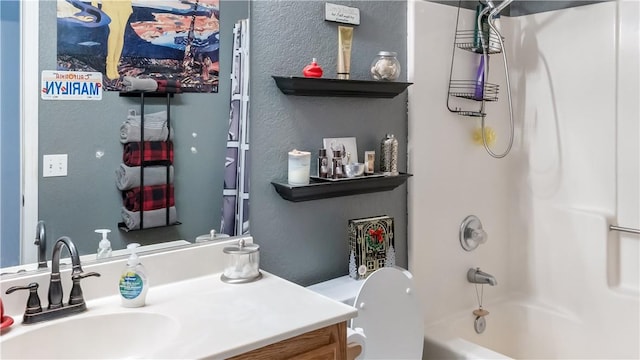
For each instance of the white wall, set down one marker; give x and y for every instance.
(453, 177)
(547, 206)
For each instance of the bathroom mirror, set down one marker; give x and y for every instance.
(88, 132)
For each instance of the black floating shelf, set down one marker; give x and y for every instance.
(151, 94)
(327, 189)
(303, 86)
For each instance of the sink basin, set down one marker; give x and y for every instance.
(117, 335)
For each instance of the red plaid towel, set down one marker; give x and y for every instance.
(153, 151)
(169, 83)
(169, 86)
(154, 198)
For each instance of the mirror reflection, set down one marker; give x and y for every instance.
(210, 151)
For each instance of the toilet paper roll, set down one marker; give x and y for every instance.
(357, 336)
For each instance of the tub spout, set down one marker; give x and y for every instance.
(476, 276)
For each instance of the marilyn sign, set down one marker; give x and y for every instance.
(71, 85)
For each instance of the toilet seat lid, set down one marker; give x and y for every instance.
(389, 313)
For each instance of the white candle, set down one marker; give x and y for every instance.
(299, 162)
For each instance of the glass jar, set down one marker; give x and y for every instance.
(385, 66)
(243, 263)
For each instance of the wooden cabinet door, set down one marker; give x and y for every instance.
(328, 343)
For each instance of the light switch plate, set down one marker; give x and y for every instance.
(54, 165)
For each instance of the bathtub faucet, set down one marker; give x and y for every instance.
(476, 276)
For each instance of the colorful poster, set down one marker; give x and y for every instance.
(174, 40)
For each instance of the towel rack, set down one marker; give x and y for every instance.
(143, 163)
(624, 229)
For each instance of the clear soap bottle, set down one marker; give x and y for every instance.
(104, 246)
(133, 283)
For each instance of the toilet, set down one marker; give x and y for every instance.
(389, 324)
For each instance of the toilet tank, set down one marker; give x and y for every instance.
(343, 289)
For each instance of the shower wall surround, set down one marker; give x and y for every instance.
(573, 171)
(453, 177)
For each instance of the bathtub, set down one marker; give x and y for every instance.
(523, 330)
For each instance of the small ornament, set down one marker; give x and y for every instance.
(390, 261)
(353, 272)
(376, 237)
(480, 312)
(362, 270)
(312, 70)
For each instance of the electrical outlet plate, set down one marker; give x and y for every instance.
(54, 165)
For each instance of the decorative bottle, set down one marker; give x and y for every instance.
(337, 165)
(323, 164)
(389, 155)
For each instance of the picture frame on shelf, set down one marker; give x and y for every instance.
(345, 144)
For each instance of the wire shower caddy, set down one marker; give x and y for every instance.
(467, 40)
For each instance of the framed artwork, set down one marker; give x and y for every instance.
(171, 40)
(371, 245)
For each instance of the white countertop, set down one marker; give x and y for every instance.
(236, 318)
(214, 319)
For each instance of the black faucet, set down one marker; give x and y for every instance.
(41, 242)
(56, 308)
(55, 285)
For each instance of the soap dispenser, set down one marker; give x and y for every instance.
(133, 283)
(104, 246)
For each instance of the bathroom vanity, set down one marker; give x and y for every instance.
(190, 313)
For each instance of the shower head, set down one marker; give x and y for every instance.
(490, 4)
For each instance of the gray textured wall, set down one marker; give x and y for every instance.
(306, 242)
(87, 199)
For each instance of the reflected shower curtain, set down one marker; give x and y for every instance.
(235, 205)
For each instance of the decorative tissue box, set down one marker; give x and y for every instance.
(371, 245)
